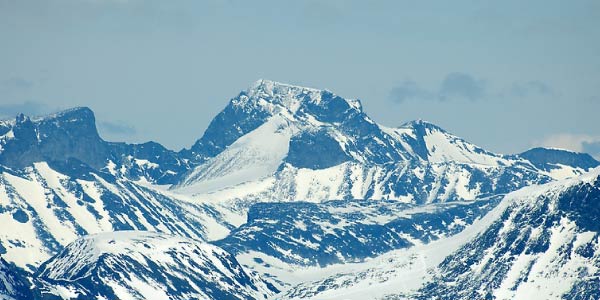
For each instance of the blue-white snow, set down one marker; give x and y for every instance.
(302, 196)
(146, 265)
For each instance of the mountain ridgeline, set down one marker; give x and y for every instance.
(327, 124)
(284, 179)
(71, 135)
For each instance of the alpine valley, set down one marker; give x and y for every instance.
(291, 193)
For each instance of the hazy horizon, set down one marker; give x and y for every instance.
(506, 76)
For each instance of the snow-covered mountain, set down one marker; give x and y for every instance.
(72, 135)
(296, 183)
(276, 142)
(42, 210)
(541, 242)
(559, 163)
(545, 245)
(59, 181)
(342, 231)
(280, 142)
(144, 265)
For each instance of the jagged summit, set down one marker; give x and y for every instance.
(73, 121)
(57, 137)
(290, 97)
(264, 99)
(70, 137)
(313, 128)
(75, 113)
(274, 128)
(420, 124)
(267, 85)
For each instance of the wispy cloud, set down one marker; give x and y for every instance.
(575, 142)
(410, 90)
(456, 85)
(525, 89)
(464, 86)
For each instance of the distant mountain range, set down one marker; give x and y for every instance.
(284, 179)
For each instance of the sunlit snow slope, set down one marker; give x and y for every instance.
(143, 265)
(42, 210)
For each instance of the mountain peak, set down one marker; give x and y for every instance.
(291, 97)
(21, 118)
(264, 99)
(75, 122)
(52, 138)
(421, 124)
(76, 114)
(549, 158)
(271, 86)
(266, 93)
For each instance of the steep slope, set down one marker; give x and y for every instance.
(344, 231)
(431, 143)
(297, 143)
(399, 271)
(59, 180)
(13, 282)
(541, 242)
(72, 135)
(68, 134)
(307, 108)
(42, 210)
(254, 155)
(145, 265)
(546, 245)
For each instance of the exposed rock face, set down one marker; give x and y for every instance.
(69, 134)
(548, 159)
(72, 135)
(13, 282)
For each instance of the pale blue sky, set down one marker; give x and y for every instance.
(505, 75)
